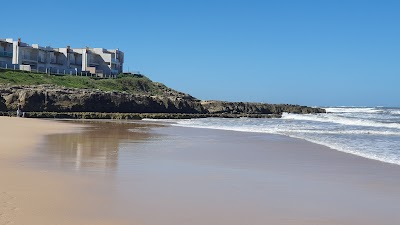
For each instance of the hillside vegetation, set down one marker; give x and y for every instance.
(129, 83)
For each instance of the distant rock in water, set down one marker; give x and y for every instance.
(256, 108)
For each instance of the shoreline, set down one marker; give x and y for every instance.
(364, 156)
(321, 181)
(275, 169)
(135, 116)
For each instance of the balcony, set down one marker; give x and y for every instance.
(28, 58)
(114, 72)
(57, 63)
(41, 59)
(93, 64)
(115, 61)
(6, 54)
(76, 63)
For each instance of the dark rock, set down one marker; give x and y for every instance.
(3, 106)
(256, 108)
(50, 98)
(56, 99)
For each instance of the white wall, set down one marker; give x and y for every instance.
(63, 58)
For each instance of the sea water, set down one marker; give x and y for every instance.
(372, 133)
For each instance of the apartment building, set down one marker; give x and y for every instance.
(6, 52)
(99, 62)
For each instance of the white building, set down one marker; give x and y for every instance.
(6, 52)
(95, 61)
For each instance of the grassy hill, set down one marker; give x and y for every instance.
(134, 84)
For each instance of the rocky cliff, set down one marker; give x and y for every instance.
(128, 93)
(51, 98)
(56, 99)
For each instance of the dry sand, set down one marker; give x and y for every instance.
(173, 176)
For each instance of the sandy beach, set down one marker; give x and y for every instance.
(29, 196)
(115, 173)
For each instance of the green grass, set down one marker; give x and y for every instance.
(134, 84)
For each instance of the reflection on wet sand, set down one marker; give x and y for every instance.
(96, 147)
(176, 175)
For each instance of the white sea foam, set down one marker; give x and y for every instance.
(302, 134)
(282, 128)
(393, 159)
(394, 112)
(353, 110)
(332, 118)
(368, 132)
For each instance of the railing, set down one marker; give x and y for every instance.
(57, 62)
(76, 63)
(41, 59)
(93, 64)
(28, 58)
(11, 66)
(59, 71)
(6, 54)
(56, 71)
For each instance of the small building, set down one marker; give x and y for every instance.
(95, 61)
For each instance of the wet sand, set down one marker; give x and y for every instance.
(35, 196)
(116, 173)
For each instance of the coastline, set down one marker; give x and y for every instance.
(203, 174)
(136, 116)
(323, 145)
(303, 182)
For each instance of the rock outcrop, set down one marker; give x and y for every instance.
(55, 99)
(51, 98)
(256, 108)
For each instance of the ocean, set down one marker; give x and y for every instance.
(370, 132)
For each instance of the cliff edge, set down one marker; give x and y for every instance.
(126, 94)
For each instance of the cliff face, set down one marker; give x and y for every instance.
(50, 98)
(128, 93)
(55, 99)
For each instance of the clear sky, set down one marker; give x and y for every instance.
(319, 53)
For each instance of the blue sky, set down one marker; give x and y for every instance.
(319, 53)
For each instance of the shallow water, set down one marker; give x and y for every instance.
(372, 133)
(156, 174)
